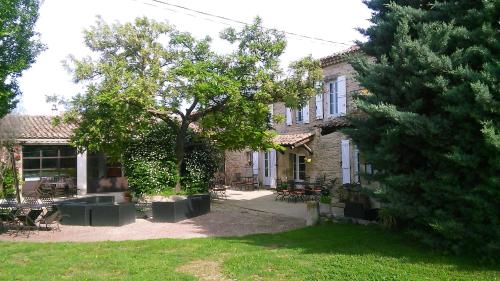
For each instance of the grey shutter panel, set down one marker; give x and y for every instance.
(272, 169)
(271, 109)
(255, 162)
(346, 165)
(356, 164)
(319, 106)
(305, 113)
(288, 116)
(342, 95)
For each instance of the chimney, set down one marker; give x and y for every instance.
(54, 109)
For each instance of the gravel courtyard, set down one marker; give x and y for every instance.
(236, 216)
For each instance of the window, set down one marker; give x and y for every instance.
(300, 115)
(249, 158)
(266, 164)
(333, 95)
(299, 167)
(48, 161)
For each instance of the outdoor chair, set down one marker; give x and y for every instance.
(8, 210)
(251, 183)
(143, 209)
(309, 192)
(52, 216)
(218, 192)
(27, 214)
(70, 188)
(281, 191)
(238, 181)
(292, 191)
(218, 188)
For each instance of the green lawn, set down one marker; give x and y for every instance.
(328, 252)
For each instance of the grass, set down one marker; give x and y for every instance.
(327, 252)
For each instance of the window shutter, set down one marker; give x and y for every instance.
(255, 162)
(319, 106)
(356, 164)
(346, 165)
(305, 113)
(288, 116)
(273, 169)
(342, 95)
(271, 109)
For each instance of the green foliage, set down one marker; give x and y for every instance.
(148, 70)
(150, 162)
(431, 124)
(325, 199)
(19, 46)
(8, 184)
(150, 176)
(202, 161)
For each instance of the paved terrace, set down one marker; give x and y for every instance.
(243, 213)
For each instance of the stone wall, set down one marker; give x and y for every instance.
(326, 157)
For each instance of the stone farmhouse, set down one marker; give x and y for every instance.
(314, 145)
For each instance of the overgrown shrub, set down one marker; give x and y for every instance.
(7, 188)
(150, 162)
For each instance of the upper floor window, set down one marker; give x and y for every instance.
(337, 97)
(300, 115)
(333, 98)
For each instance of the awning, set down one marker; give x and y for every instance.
(295, 140)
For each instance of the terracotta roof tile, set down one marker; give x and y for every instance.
(338, 57)
(33, 127)
(292, 139)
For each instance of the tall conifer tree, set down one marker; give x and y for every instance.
(431, 126)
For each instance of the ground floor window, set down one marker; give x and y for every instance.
(266, 164)
(46, 161)
(299, 167)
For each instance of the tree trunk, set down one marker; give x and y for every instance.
(180, 151)
(16, 180)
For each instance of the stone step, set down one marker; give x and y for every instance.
(338, 205)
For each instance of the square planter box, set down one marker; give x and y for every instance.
(354, 210)
(198, 205)
(74, 214)
(111, 215)
(170, 211)
(96, 211)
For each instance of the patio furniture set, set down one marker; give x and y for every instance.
(299, 190)
(245, 182)
(37, 209)
(31, 214)
(218, 188)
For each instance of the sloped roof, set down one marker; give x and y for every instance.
(27, 127)
(292, 139)
(334, 124)
(339, 56)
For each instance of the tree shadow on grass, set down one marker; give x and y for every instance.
(358, 240)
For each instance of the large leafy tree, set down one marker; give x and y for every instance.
(432, 118)
(147, 70)
(19, 46)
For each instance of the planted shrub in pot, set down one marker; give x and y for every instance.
(325, 202)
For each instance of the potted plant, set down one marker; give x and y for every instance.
(325, 202)
(127, 196)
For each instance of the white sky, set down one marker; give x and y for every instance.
(61, 23)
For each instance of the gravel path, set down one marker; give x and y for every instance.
(225, 219)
